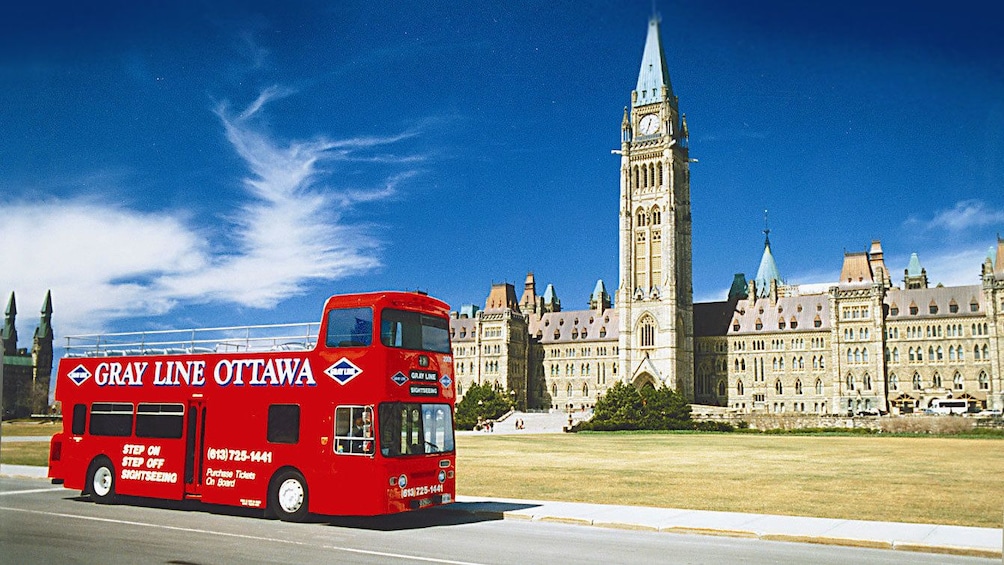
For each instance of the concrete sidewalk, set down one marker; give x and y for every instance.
(23, 471)
(926, 538)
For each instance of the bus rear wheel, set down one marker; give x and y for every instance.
(288, 496)
(101, 481)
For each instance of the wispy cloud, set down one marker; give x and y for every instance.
(965, 215)
(954, 267)
(107, 261)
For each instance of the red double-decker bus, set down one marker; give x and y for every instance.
(349, 416)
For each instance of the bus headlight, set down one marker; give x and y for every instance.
(442, 476)
(402, 481)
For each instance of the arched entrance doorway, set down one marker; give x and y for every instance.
(645, 380)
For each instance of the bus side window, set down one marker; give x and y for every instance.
(111, 419)
(79, 419)
(351, 424)
(160, 420)
(284, 423)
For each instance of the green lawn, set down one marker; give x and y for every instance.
(30, 428)
(900, 479)
(940, 480)
(25, 453)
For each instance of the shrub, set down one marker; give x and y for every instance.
(715, 426)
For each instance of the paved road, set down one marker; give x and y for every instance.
(40, 523)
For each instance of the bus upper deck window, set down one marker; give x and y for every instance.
(350, 327)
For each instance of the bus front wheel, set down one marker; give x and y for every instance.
(101, 481)
(288, 499)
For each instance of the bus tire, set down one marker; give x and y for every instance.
(287, 498)
(101, 481)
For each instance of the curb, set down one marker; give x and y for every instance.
(745, 534)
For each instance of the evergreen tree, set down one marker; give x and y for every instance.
(624, 407)
(480, 402)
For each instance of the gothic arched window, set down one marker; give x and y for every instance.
(647, 332)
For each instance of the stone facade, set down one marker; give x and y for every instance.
(863, 345)
(535, 353)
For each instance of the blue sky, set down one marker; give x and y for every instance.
(220, 163)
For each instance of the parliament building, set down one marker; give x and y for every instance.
(871, 343)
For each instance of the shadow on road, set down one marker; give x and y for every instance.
(450, 515)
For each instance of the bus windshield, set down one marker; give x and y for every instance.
(414, 330)
(415, 429)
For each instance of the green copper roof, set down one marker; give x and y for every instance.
(44, 329)
(740, 288)
(550, 295)
(914, 269)
(767, 271)
(599, 291)
(9, 334)
(654, 73)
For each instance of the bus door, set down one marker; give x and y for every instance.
(195, 433)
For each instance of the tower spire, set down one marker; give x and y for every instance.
(653, 78)
(768, 270)
(766, 230)
(10, 327)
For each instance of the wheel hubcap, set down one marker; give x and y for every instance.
(290, 495)
(102, 481)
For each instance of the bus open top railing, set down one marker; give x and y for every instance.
(235, 339)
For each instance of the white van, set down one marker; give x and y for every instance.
(948, 406)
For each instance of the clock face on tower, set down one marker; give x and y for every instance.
(649, 124)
